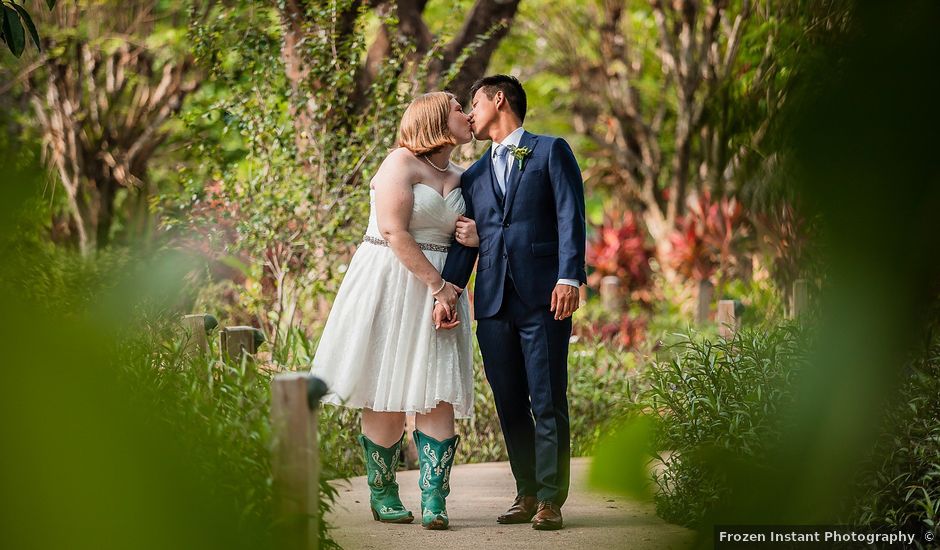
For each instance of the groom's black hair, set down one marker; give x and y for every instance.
(509, 85)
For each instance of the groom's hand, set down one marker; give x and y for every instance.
(565, 300)
(466, 232)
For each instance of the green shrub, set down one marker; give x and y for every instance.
(218, 411)
(340, 453)
(601, 391)
(106, 331)
(721, 403)
(717, 396)
(900, 488)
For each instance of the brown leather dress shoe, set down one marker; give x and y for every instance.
(521, 511)
(548, 517)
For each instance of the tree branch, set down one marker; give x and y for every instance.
(483, 17)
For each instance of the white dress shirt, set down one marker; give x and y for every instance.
(513, 139)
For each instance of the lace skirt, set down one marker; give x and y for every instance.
(380, 349)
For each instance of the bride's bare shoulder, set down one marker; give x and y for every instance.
(399, 165)
(401, 157)
(401, 160)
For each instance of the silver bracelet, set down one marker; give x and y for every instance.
(438, 291)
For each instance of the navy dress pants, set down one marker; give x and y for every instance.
(525, 357)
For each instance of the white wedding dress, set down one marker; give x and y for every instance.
(379, 348)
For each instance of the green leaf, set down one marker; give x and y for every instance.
(29, 25)
(622, 459)
(13, 31)
(51, 3)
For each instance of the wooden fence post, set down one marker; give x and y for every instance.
(233, 341)
(799, 298)
(296, 458)
(727, 318)
(705, 291)
(197, 326)
(610, 293)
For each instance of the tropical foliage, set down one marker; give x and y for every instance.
(172, 157)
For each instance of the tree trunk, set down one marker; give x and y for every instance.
(486, 16)
(102, 117)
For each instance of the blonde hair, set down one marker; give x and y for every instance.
(423, 129)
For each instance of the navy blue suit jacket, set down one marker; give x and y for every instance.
(536, 235)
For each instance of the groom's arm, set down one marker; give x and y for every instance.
(568, 188)
(460, 258)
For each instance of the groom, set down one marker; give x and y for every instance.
(527, 199)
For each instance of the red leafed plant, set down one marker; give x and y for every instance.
(620, 249)
(213, 221)
(626, 331)
(706, 236)
(785, 233)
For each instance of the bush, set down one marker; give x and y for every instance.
(218, 411)
(602, 390)
(340, 453)
(900, 488)
(619, 249)
(153, 439)
(220, 415)
(721, 403)
(717, 396)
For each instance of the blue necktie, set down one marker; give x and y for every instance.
(499, 166)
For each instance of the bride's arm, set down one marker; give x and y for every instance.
(394, 198)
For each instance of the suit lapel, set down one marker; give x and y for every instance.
(512, 185)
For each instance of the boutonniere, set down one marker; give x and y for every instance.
(521, 153)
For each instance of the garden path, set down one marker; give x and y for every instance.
(593, 521)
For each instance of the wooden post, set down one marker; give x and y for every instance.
(296, 459)
(705, 291)
(727, 319)
(610, 293)
(746, 268)
(233, 341)
(799, 298)
(196, 327)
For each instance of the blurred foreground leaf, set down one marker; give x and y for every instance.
(621, 463)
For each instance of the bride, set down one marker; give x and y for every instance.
(394, 342)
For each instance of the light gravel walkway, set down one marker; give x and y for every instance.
(479, 493)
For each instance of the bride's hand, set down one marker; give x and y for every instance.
(467, 232)
(448, 297)
(440, 317)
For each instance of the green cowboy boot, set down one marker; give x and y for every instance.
(381, 464)
(436, 458)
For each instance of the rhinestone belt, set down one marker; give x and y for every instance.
(423, 246)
